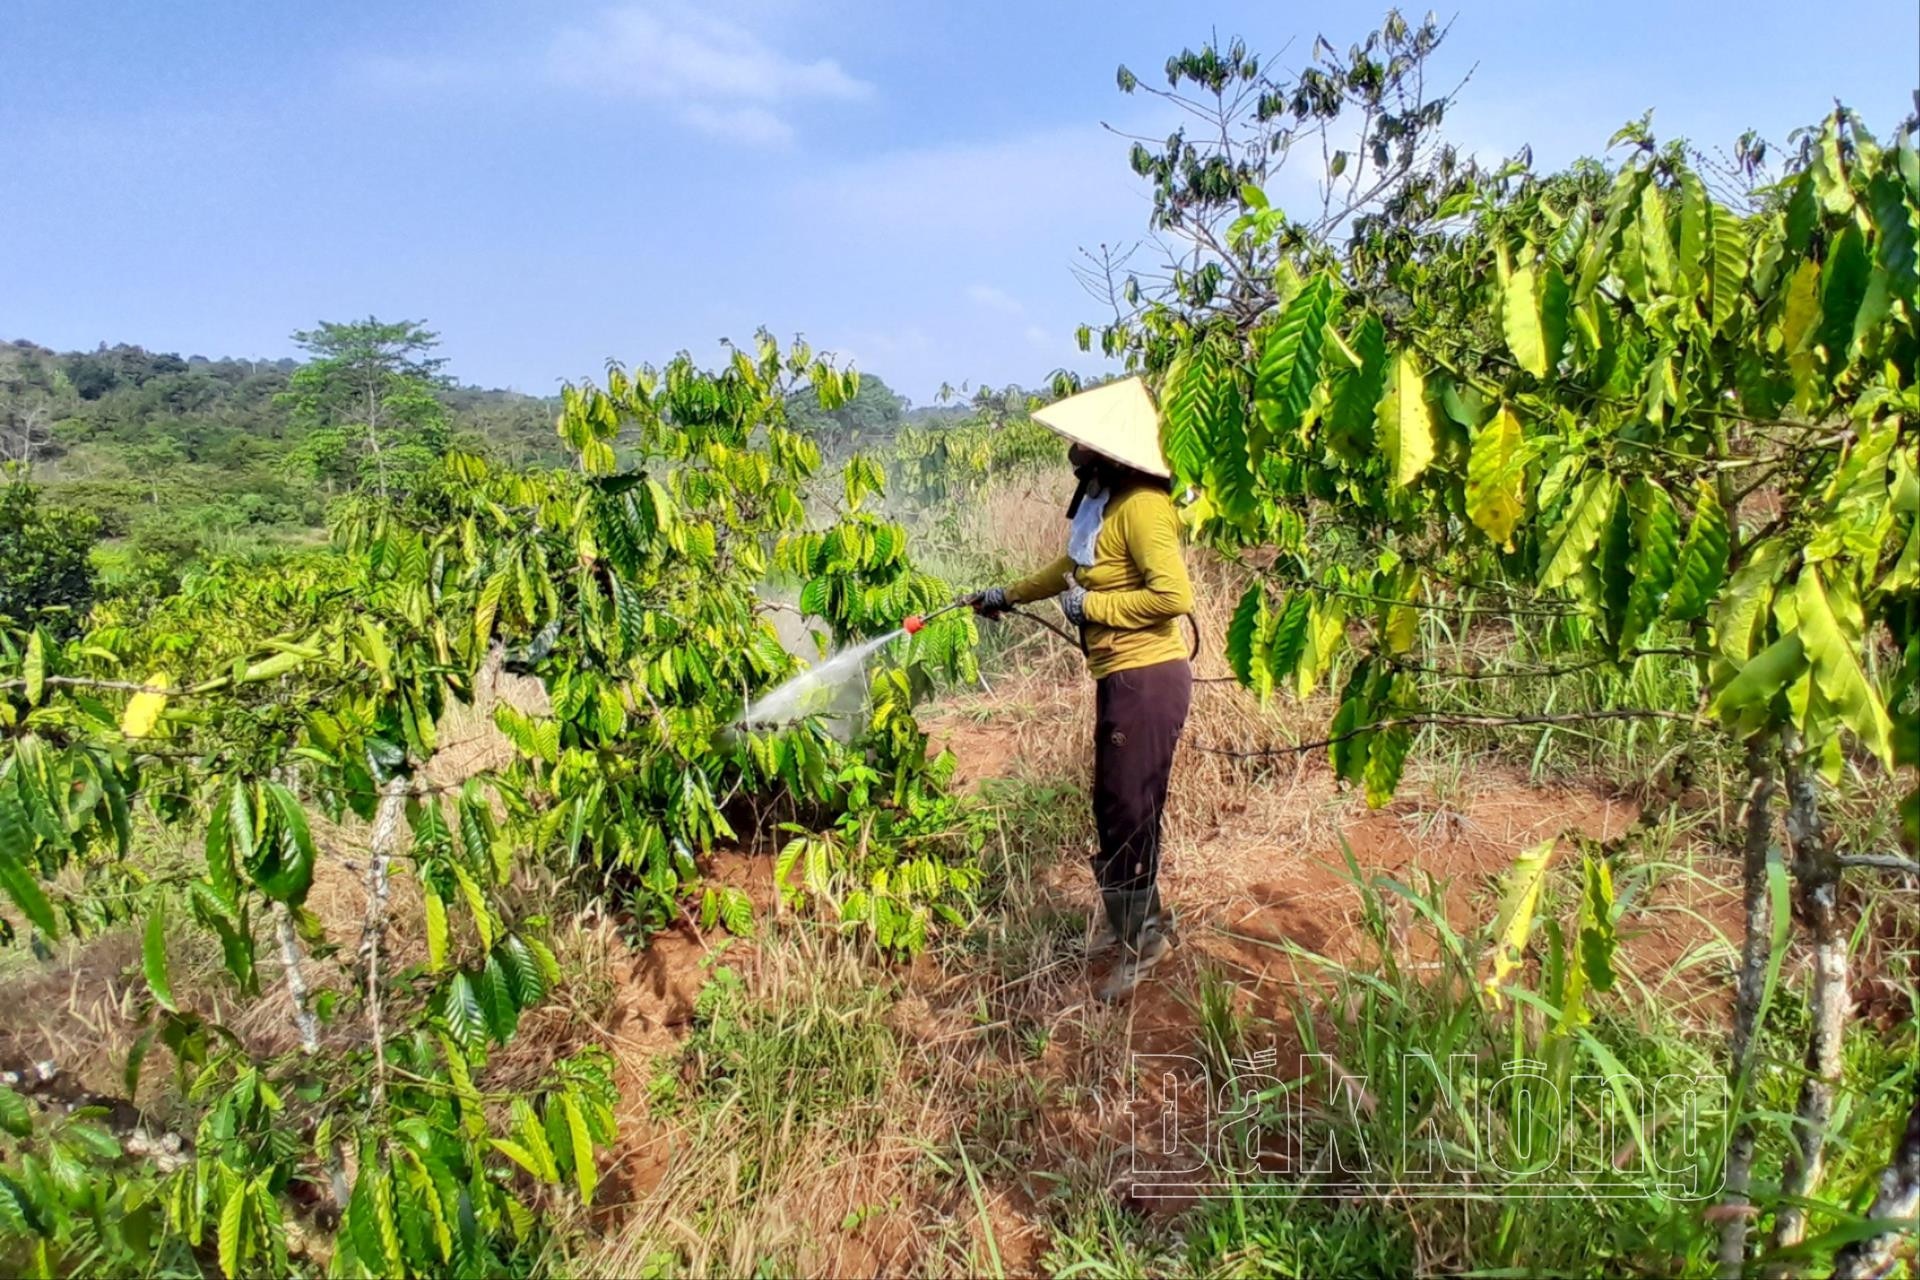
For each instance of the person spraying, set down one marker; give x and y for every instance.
(1123, 583)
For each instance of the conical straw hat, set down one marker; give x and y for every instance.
(1117, 421)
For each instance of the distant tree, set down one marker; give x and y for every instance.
(34, 396)
(378, 377)
(46, 577)
(875, 411)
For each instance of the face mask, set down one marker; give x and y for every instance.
(1083, 521)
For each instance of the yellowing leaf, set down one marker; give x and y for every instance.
(1796, 325)
(1514, 925)
(278, 665)
(1496, 477)
(144, 708)
(1405, 421)
(436, 911)
(35, 668)
(1520, 317)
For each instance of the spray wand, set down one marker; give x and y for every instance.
(913, 622)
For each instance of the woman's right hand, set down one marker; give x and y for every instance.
(990, 603)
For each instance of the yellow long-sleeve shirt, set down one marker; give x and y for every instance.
(1137, 588)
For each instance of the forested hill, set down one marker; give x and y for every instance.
(171, 459)
(179, 455)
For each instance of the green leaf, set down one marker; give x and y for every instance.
(233, 1230)
(1579, 530)
(1556, 311)
(586, 1176)
(1597, 938)
(1405, 421)
(278, 665)
(284, 870)
(20, 880)
(1656, 243)
(383, 1216)
(1240, 631)
(466, 1020)
(1289, 641)
(1843, 286)
(1764, 676)
(1828, 173)
(1572, 236)
(16, 1117)
(1497, 477)
(1356, 392)
(1801, 309)
(1834, 652)
(476, 904)
(736, 912)
(1520, 320)
(1729, 266)
(1186, 398)
(496, 999)
(1894, 244)
(1386, 758)
(1703, 558)
(524, 975)
(154, 960)
(1621, 203)
(518, 1154)
(1290, 360)
(1690, 263)
(533, 1137)
(1230, 476)
(1656, 557)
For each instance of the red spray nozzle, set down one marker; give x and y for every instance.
(913, 624)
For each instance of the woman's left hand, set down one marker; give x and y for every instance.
(1073, 603)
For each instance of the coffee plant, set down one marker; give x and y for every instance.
(1652, 410)
(285, 716)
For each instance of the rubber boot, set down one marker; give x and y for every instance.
(1144, 935)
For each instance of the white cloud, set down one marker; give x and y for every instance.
(680, 55)
(755, 126)
(994, 299)
(713, 76)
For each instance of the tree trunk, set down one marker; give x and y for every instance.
(1896, 1204)
(1816, 872)
(386, 829)
(1755, 950)
(373, 433)
(303, 1015)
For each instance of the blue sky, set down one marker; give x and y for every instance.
(906, 183)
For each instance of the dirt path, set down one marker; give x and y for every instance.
(1005, 1054)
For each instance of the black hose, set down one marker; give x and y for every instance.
(1192, 625)
(1034, 617)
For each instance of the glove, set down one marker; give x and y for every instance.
(1073, 603)
(990, 603)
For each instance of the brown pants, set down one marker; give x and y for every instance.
(1138, 716)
